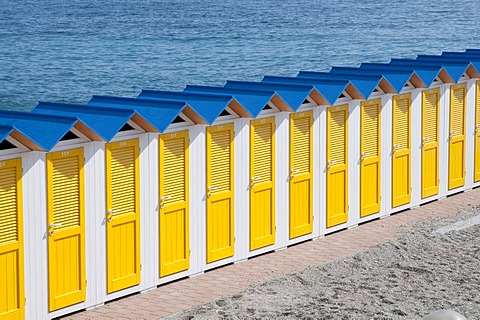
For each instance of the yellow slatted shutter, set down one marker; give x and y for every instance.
(66, 228)
(456, 171)
(12, 294)
(174, 203)
(301, 184)
(401, 174)
(123, 215)
(337, 165)
(430, 142)
(370, 187)
(262, 183)
(220, 237)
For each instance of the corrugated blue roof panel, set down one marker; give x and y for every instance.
(426, 74)
(475, 62)
(461, 55)
(331, 90)
(293, 95)
(159, 114)
(455, 71)
(5, 131)
(252, 100)
(476, 51)
(396, 79)
(365, 84)
(44, 130)
(106, 122)
(208, 106)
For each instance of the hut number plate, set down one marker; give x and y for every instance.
(123, 144)
(2, 164)
(65, 153)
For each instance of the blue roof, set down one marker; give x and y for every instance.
(427, 74)
(252, 100)
(330, 90)
(461, 55)
(160, 114)
(208, 106)
(475, 51)
(293, 95)
(397, 79)
(454, 70)
(44, 130)
(462, 62)
(365, 84)
(5, 131)
(106, 122)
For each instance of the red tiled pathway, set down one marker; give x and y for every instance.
(185, 294)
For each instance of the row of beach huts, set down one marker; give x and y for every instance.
(121, 195)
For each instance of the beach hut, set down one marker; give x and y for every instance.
(220, 189)
(14, 159)
(50, 181)
(259, 220)
(167, 206)
(455, 138)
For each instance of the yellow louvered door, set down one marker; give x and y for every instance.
(123, 215)
(66, 228)
(477, 132)
(174, 203)
(262, 183)
(301, 177)
(337, 165)
(430, 154)
(456, 161)
(220, 236)
(370, 188)
(12, 296)
(401, 175)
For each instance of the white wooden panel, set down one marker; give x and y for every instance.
(470, 134)
(282, 171)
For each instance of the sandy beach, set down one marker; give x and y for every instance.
(435, 265)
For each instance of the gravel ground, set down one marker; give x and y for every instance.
(434, 266)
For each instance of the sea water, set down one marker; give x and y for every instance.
(65, 51)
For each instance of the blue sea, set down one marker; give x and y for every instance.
(65, 51)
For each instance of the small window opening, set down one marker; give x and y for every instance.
(178, 119)
(224, 113)
(375, 90)
(127, 127)
(5, 145)
(69, 136)
(342, 95)
(305, 101)
(406, 85)
(267, 107)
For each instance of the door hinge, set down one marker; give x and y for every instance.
(140, 267)
(86, 283)
(25, 302)
(189, 253)
(234, 239)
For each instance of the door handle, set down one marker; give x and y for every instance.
(453, 132)
(426, 139)
(52, 228)
(165, 198)
(212, 188)
(294, 171)
(396, 146)
(55, 225)
(111, 213)
(332, 161)
(256, 179)
(364, 154)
